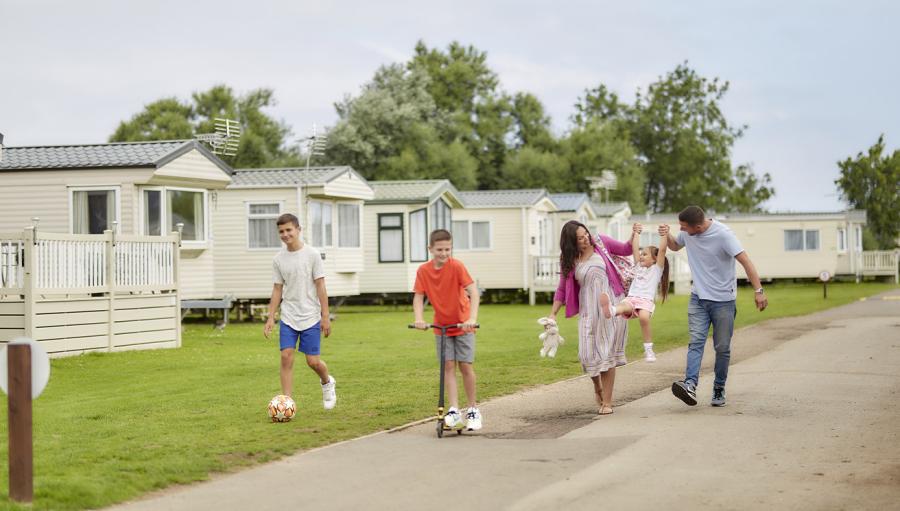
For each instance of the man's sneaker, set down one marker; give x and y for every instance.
(473, 419)
(685, 391)
(453, 419)
(718, 398)
(329, 396)
(649, 356)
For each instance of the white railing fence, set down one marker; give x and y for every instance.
(881, 262)
(69, 264)
(545, 272)
(11, 256)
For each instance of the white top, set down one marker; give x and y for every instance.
(581, 268)
(298, 271)
(711, 258)
(646, 282)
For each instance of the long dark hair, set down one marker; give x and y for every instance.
(568, 245)
(664, 280)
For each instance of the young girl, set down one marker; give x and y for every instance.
(651, 273)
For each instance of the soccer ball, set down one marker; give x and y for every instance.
(281, 408)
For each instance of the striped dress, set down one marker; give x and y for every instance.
(601, 341)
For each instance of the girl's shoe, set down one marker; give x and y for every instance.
(649, 356)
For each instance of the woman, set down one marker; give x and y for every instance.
(586, 270)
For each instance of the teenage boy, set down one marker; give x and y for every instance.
(454, 296)
(712, 249)
(299, 287)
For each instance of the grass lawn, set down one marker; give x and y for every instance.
(110, 427)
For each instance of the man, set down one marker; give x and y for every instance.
(712, 249)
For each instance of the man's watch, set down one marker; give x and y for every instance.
(759, 291)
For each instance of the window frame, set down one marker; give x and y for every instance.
(324, 232)
(116, 189)
(842, 240)
(803, 235)
(425, 234)
(456, 247)
(470, 236)
(359, 220)
(249, 216)
(432, 213)
(164, 219)
(402, 236)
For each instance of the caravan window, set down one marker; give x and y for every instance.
(390, 238)
(799, 239)
(166, 207)
(348, 225)
(440, 215)
(418, 236)
(93, 209)
(320, 216)
(262, 231)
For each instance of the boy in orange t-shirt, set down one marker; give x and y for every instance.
(454, 296)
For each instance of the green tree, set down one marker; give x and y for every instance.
(164, 119)
(871, 181)
(598, 146)
(684, 142)
(264, 140)
(532, 168)
(392, 130)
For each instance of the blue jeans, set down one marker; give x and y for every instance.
(702, 314)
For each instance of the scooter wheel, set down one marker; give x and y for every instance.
(459, 432)
(440, 429)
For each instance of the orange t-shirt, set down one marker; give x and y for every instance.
(445, 288)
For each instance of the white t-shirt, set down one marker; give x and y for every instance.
(298, 271)
(646, 282)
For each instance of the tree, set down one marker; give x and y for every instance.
(164, 119)
(598, 146)
(392, 130)
(264, 140)
(871, 181)
(532, 168)
(684, 142)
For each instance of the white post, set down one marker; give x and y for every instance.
(176, 263)
(28, 281)
(111, 286)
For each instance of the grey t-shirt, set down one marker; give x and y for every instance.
(298, 271)
(711, 258)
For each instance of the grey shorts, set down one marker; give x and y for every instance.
(460, 348)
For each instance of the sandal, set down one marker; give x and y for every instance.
(605, 410)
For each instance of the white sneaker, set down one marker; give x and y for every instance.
(453, 419)
(649, 356)
(329, 396)
(473, 419)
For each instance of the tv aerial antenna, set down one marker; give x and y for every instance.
(606, 181)
(226, 138)
(315, 144)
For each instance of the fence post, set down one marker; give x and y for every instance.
(28, 280)
(176, 263)
(532, 270)
(110, 243)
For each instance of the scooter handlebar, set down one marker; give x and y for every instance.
(457, 325)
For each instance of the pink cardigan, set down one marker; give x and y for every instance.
(567, 291)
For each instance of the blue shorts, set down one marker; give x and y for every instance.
(310, 339)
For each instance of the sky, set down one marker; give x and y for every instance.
(814, 81)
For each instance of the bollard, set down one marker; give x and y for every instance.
(21, 468)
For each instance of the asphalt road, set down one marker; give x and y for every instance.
(812, 422)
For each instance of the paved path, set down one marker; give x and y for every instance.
(812, 422)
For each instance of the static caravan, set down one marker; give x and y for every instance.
(572, 206)
(613, 220)
(140, 188)
(791, 245)
(88, 259)
(397, 223)
(504, 235)
(329, 202)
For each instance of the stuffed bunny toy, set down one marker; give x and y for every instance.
(550, 337)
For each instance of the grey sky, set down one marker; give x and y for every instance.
(815, 81)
